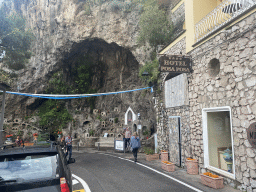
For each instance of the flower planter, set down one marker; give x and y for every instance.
(216, 183)
(152, 157)
(168, 167)
(35, 138)
(28, 144)
(164, 156)
(9, 139)
(192, 167)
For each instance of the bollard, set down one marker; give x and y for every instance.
(77, 146)
(98, 146)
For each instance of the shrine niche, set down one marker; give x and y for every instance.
(130, 116)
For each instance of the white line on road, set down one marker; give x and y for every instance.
(85, 186)
(187, 185)
(74, 181)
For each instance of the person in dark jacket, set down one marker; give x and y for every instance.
(135, 145)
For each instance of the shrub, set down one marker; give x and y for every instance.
(91, 132)
(148, 151)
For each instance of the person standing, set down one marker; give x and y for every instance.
(127, 137)
(135, 145)
(68, 142)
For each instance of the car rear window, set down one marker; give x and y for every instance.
(25, 168)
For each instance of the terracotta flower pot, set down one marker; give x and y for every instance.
(216, 183)
(28, 144)
(168, 167)
(152, 157)
(164, 156)
(192, 167)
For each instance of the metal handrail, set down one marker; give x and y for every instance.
(223, 13)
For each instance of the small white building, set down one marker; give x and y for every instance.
(130, 116)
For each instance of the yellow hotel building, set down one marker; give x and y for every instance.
(207, 114)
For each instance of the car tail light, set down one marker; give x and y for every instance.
(63, 185)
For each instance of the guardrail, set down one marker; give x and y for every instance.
(222, 14)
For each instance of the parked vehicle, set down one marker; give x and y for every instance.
(34, 168)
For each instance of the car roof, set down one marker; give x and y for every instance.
(28, 150)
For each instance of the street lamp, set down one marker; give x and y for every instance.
(145, 74)
(150, 84)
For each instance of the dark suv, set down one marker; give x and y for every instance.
(35, 168)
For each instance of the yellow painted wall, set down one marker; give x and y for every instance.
(189, 18)
(202, 8)
(219, 2)
(195, 10)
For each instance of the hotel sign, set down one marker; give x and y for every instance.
(251, 135)
(174, 64)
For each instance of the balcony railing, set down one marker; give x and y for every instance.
(222, 14)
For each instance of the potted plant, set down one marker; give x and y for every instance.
(168, 166)
(35, 135)
(9, 137)
(192, 166)
(211, 180)
(26, 143)
(150, 155)
(164, 155)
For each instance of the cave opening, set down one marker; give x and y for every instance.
(92, 66)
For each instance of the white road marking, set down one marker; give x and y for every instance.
(85, 186)
(74, 181)
(168, 176)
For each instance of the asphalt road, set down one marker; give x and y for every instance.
(104, 172)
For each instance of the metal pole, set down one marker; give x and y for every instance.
(77, 146)
(124, 145)
(2, 118)
(98, 146)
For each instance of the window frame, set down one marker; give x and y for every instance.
(205, 141)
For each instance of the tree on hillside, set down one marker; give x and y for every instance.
(15, 40)
(154, 25)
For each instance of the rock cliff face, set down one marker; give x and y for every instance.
(67, 28)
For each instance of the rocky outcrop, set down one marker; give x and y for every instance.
(63, 28)
(58, 24)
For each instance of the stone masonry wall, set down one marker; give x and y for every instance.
(233, 86)
(182, 111)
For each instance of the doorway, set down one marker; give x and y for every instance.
(175, 140)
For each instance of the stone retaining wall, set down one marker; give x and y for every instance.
(234, 86)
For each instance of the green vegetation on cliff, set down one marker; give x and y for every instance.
(54, 114)
(154, 25)
(152, 68)
(15, 40)
(155, 29)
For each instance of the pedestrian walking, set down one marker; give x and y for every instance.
(135, 145)
(127, 137)
(68, 142)
(18, 141)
